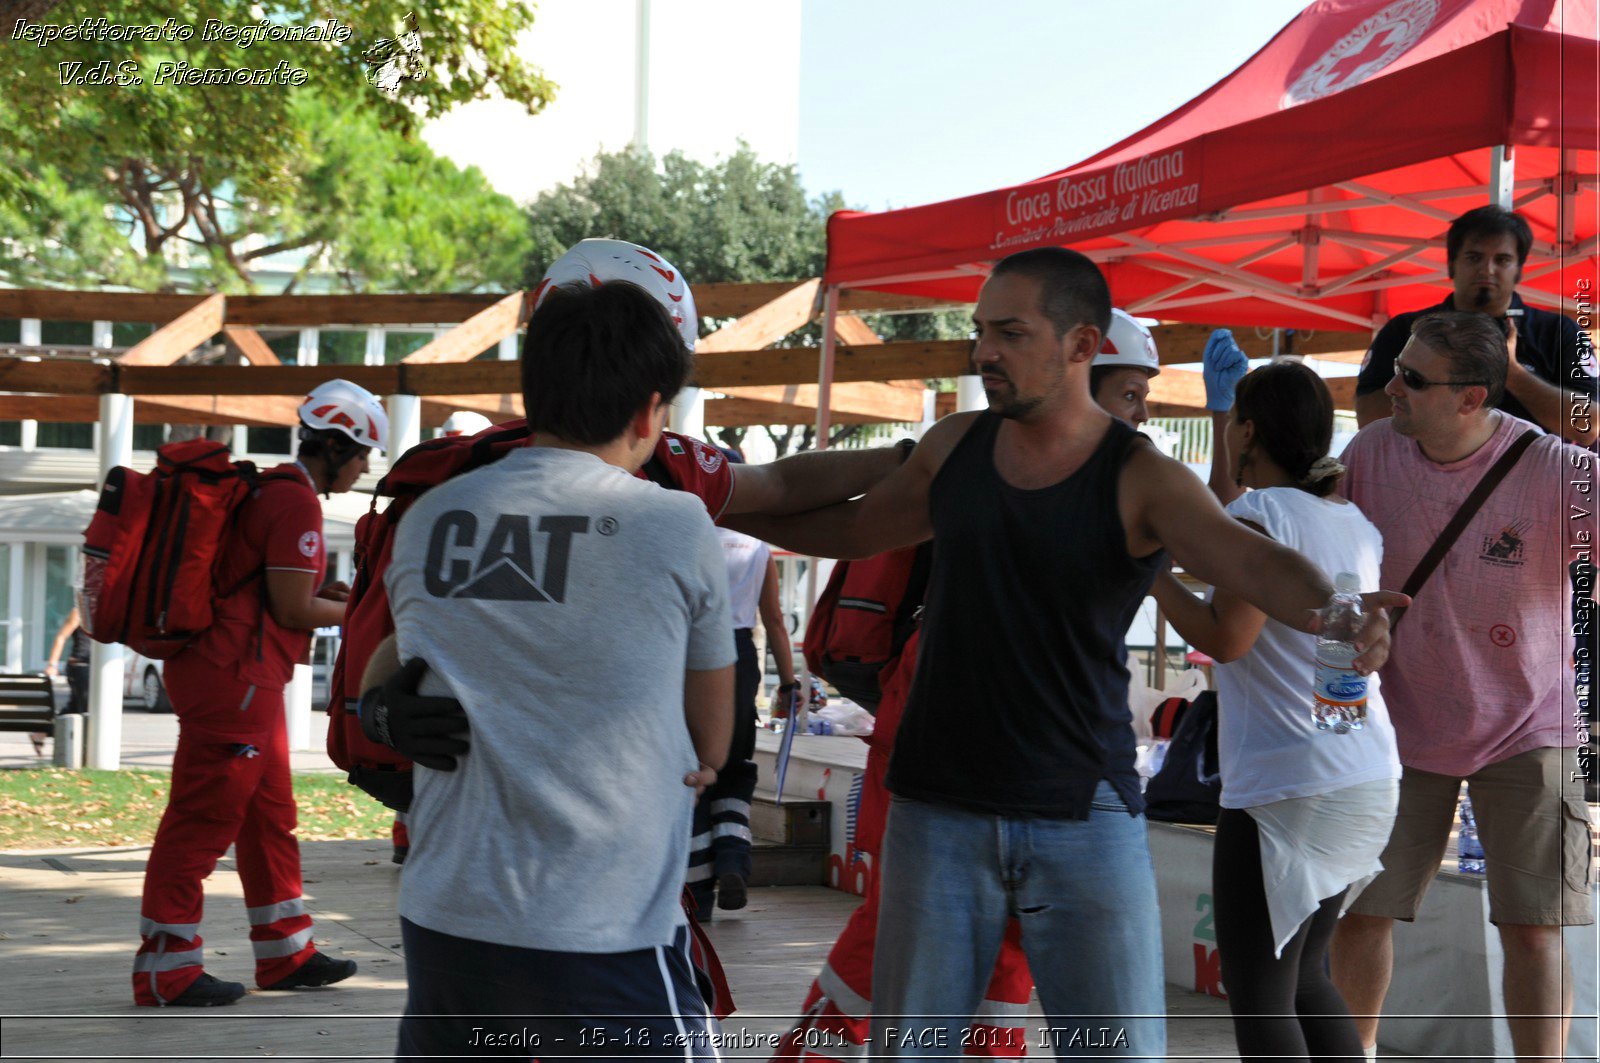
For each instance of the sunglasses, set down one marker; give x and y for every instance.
(1415, 381)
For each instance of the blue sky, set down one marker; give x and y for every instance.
(912, 101)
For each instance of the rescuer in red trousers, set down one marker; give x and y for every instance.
(230, 775)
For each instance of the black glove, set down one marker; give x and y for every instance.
(431, 731)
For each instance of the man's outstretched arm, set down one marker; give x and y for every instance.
(891, 514)
(809, 480)
(1169, 505)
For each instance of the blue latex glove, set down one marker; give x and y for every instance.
(1224, 366)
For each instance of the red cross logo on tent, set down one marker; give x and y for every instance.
(1365, 50)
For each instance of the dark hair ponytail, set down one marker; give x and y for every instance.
(1292, 411)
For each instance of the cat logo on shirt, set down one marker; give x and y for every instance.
(503, 569)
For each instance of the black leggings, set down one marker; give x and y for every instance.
(1285, 1007)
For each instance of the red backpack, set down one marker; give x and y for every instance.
(863, 618)
(377, 769)
(151, 551)
(679, 462)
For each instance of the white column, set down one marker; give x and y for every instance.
(930, 411)
(106, 662)
(969, 393)
(507, 351)
(31, 329)
(687, 414)
(641, 73)
(1502, 175)
(405, 424)
(13, 648)
(297, 707)
(377, 341)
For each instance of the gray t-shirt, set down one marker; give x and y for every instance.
(560, 600)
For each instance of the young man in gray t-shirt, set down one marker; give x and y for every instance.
(580, 615)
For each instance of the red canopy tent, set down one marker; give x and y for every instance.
(1312, 186)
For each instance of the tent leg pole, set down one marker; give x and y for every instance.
(830, 347)
(1502, 175)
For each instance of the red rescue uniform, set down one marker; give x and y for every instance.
(230, 775)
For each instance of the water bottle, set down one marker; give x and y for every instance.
(1339, 692)
(1469, 850)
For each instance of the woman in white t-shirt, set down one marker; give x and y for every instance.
(1305, 813)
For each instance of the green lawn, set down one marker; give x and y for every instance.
(47, 808)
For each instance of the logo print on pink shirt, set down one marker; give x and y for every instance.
(1502, 636)
(1506, 547)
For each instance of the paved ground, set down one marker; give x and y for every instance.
(68, 934)
(68, 925)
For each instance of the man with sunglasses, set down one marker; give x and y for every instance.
(1550, 377)
(1471, 682)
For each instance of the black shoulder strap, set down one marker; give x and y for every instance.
(1458, 523)
(656, 471)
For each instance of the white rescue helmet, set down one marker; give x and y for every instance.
(340, 406)
(596, 261)
(1128, 343)
(464, 423)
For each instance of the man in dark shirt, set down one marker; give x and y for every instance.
(1551, 380)
(1014, 788)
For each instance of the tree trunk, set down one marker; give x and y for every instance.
(13, 11)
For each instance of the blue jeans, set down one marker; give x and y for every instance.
(1085, 894)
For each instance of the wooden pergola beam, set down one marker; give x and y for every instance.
(51, 305)
(264, 411)
(247, 343)
(879, 402)
(179, 336)
(735, 413)
(310, 311)
(1180, 343)
(56, 377)
(768, 323)
(911, 359)
(475, 335)
(278, 311)
(1186, 390)
(852, 331)
(497, 408)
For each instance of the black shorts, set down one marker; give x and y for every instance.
(470, 998)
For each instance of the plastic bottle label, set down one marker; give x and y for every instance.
(1337, 683)
(1339, 687)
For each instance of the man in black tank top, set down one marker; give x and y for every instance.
(1015, 792)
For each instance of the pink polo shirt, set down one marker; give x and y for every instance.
(1481, 668)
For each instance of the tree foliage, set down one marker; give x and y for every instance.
(218, 176)
(737, 219)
